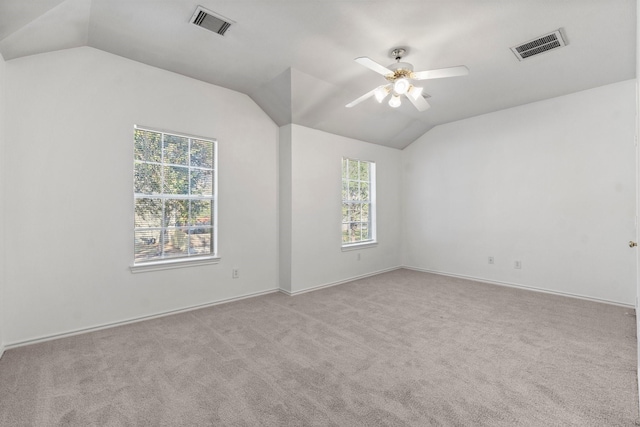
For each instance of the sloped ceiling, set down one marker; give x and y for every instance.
(295, 57)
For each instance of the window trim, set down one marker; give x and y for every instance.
(373, 241)
(189, 260)
(170, 264)
(356, 246)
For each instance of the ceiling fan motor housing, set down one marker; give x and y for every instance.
(400, 66)
(400, 70)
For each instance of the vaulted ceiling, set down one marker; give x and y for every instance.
(295, 58)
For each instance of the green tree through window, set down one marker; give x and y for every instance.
(174, 196)
(358, 202)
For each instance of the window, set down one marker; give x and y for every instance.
(175, 181)
(358, 202)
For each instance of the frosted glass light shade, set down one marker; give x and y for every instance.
(401, 86)
(381, 93)
(395, 101)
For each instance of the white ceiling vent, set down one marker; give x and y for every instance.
(211, 21)
(542, 44)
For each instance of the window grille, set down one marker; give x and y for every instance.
(175, 205)
(358, 202)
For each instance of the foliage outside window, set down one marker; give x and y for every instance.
(175, 181)
(358, 202)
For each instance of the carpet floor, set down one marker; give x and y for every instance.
(403, 348)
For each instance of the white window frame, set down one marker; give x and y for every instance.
(186, 260)
(371, 202)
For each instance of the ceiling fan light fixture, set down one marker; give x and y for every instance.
(401, 86)
(415, 92)
(399, 78)
(394, 102)
(381, 93)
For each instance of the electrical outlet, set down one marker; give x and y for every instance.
(490, 260)
(235, 273)
(359, 256)
(518, 265)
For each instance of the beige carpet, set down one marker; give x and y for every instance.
(401, 348)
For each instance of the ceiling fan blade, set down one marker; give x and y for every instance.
(362, 98)
(420, 103)
(460, 70)
(373, 65)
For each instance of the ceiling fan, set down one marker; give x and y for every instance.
(400, 76)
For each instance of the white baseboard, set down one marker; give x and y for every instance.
(44, 338)
(516, 285)
(133, 320)
(340, 282)
(1, 351)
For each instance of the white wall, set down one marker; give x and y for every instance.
(637, 190)
(551, 184)
(2, 204)
(70, 225)
(284, 212)
(316, 182)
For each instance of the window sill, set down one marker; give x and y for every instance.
(171, 264)
(357, 246)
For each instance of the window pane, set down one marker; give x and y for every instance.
(365, 231)
(176, 243)
(365, 212)
(345, 190)
(354, 190)
(353, 169)
(200, 212)
(201, 153)
(176, 149)
(176, 180)
(364, 191)
(364, 171)
(146, 178)
(354, 235)
(201, 182)
(345, 233)
(176, 213)
(148, 213)
(344, 168)
(354, 212)
(147, 244)
(147, 145)
(345, 212)
(200, 240)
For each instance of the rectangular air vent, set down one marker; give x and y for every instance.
(539, 45)
(211, 21)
